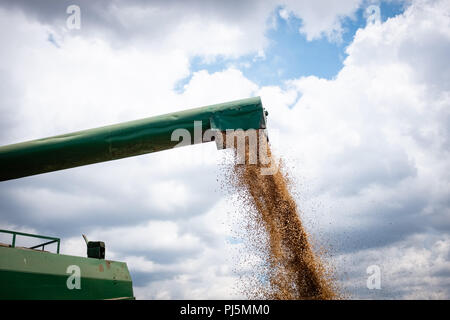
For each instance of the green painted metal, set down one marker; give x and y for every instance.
(124, 140)
(16, 233)
(32, 274)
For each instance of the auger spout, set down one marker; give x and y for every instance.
(125, 139)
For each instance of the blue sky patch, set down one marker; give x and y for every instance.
(290, 55)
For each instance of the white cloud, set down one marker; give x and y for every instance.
(215, 28)
(226, 85)
(321, 18)
(169, 195)
(161, 235)
(415, 268)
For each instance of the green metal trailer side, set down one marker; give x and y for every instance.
(33, 274)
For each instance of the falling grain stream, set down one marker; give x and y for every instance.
(291, 268)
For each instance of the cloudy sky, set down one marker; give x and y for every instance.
(358, 94)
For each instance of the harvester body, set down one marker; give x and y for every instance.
(26, 273)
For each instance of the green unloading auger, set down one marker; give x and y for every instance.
(125, 139)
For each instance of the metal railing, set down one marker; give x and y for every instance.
(16, 233)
